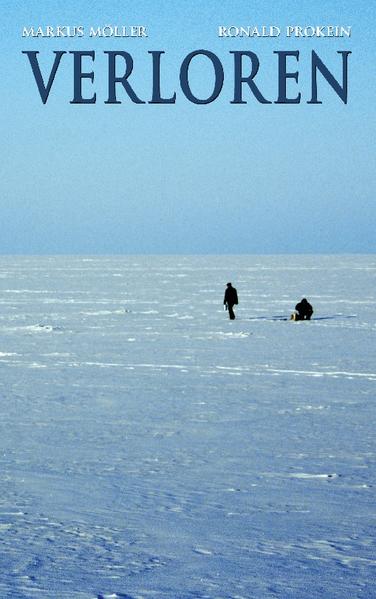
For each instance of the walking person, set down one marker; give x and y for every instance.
(230, 300)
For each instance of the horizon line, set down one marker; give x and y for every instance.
(115, 254)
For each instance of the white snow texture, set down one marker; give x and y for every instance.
(153, 449)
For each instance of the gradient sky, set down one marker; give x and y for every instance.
(220, 178)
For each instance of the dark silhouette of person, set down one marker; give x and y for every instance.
(304, 310)
(230, 300)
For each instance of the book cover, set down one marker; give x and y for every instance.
(187, 288)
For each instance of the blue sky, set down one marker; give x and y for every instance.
(219, 178)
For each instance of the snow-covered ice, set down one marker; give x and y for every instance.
(152, 448)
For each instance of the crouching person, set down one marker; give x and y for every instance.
(303, 310)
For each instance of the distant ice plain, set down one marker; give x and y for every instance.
(151, 448)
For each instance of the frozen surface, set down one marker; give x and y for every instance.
(151, 448)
